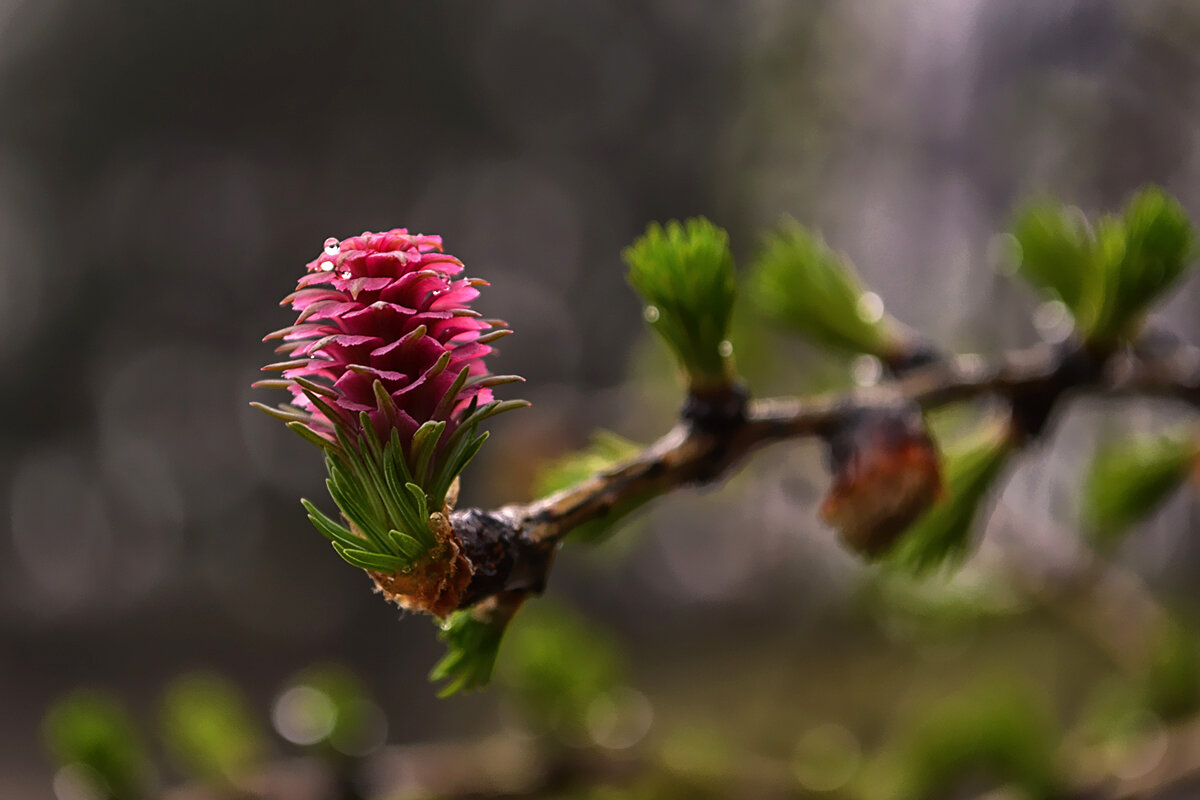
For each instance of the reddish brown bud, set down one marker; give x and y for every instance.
(886, 473)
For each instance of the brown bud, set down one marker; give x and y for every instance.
(886, 473)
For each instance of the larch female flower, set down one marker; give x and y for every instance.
(387, 376)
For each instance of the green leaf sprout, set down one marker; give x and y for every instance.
(472, 638)
(1131, 478)
(1107, 276)
(943, 533)
(800, 283)
(684, 274)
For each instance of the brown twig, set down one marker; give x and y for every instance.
(1032, 380)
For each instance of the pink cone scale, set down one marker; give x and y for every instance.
(386, 307)
(385, 366)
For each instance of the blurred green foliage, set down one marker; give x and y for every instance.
(826, 758)
(684, 273)
(1121, 713)
(1171, 688)
(555, 666)
(208, 728)
(943, 604)
(1129, 479)
(604, 450)
(93, 730)
(701, 752)
(1057, 252)
(999, 731)
(800, 283)
(1109, 275)
(1146, 253)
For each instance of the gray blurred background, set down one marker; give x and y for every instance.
(166, 169)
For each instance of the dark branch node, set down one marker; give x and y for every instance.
(503, 557)
(1076, 367)
(918, 353)
(717, 412)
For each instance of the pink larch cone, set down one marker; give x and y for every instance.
(385, 307)
(385, 367)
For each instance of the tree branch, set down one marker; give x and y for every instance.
(1032, 381)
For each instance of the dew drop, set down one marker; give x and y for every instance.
(304, 715)
(346, 275)
(327, 266)
(866, 370)
(332, 247)
(725, 349)
(1053, 321)
(650, 313)
(972, 364)
(870, 308)
(620, 718)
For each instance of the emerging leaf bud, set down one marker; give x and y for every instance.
(684, 273)
(800, 283)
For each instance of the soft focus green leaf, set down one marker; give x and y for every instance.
(1058, 253)
(93, 730)
(684, 273)
(943, 533)
(1110, 276)
(1130, 479)
(208, 728)
(802, 284)
(605, 450)
(1001, 731)
(556, 665)
(1172, 683)
(1155, 246)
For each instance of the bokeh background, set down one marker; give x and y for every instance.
(167, 168)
